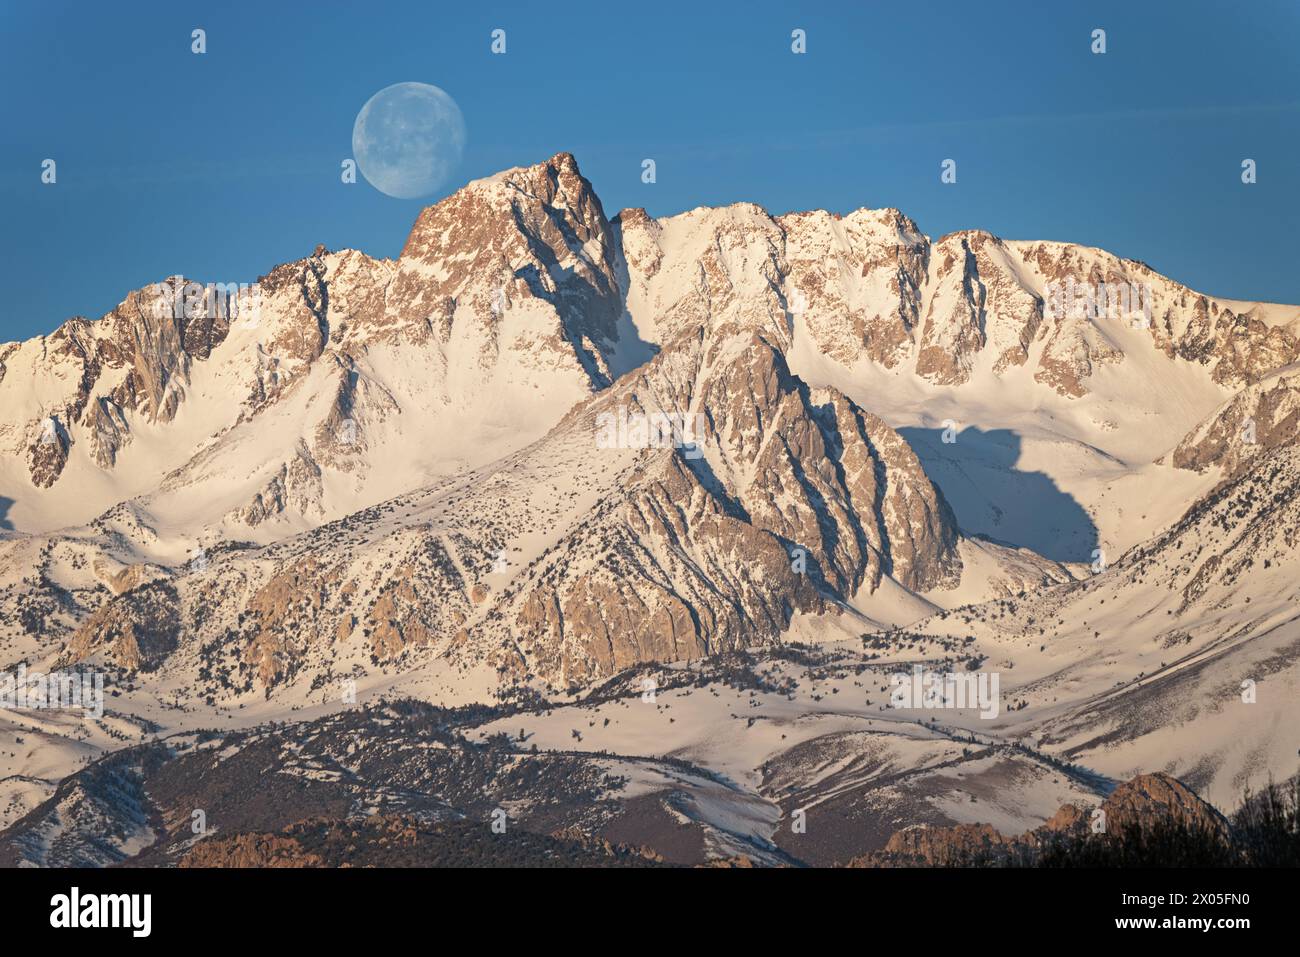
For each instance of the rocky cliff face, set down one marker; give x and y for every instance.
(84, 381)
(789, 501)
(1262, 416)
(869, 286)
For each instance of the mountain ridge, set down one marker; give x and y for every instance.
(390, 473)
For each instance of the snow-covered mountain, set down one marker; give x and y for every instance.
(543, 447)
(499, 315)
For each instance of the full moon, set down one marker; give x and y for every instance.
(408, 138)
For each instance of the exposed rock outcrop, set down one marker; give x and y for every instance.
(1146, 802)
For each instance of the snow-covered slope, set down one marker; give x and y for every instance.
(1182, 656)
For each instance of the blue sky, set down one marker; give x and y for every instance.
(220, 166)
